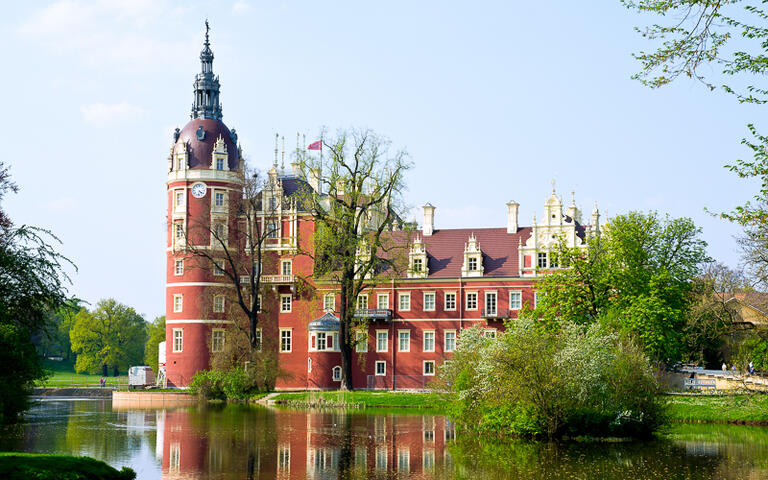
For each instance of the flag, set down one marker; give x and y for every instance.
(318, 145)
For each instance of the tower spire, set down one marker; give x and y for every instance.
(206, 104)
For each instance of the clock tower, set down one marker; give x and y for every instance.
(204, 179)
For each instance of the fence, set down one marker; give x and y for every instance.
(399, 382)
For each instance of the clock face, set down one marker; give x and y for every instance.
(198, 190)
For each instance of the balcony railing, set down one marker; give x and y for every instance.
(374, 313)
(491, 313)
(278, 279)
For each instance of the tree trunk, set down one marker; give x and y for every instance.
(344, 344)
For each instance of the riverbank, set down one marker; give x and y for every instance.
(737, 409)
(25, 466)
(435, 402)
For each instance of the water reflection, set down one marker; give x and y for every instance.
(232, 441)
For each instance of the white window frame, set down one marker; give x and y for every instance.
(213, 340)
(519, 300)
(418, 265)
(218, 267)
(434, 301)
(424, 368)
(466, 301)
(178, 339)
(382, 305)
(542, 260)
(445, 302)
(404, 459)
(284, 458)
(178, 303)
(424, 342)
(400, 297)
(386, 340)
(178, 199)
(178, 230)
(376, 368)
(399, 339)
(284, 296)
(362, 302)
(472, 264)
(218, 194)
(489, 333)
(329, 306)
(290, 340)
(334, 377)
(219, 307)
(178, 267)
(286, 262)
(445, 340)
(536, 298)
(360, 345)
(495, 296)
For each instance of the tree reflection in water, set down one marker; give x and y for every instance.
(238, 441)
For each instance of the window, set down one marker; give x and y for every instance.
(218, 267)
(258, 302)
(284, 458)
(361, 341)
(404, 460)
(450, 340)
(336, 375)
(218, 303)
(271, 230)
(179, 163)
(219, 231)
(320, 340)
(429, 367)
(553, 261)
(381, 368)
(490, 303)
(178, 267)
(218, 199)
(178, 303)
(382, 301)
(285, 340)
(417, 266)
(542, 260)
(471, 300)
(450, 300)
(404, 300)
(382, 340)
(381, 458)
(175, 457)
(257, 338)
(217, 341)
(286, 267)
(285, 303)
(536, 298)
(179, 199)
(403, 340)
(490, 333)
(429, 340)
(515, 300)
(429, 301)
(219, 163)
(179, 231)
(178, 339)
(362, 302)
(472, 264)
(273, 204)
(428, 456)
(329, 302)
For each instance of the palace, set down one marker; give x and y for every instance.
(456, 278)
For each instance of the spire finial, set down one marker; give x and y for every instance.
(277, 136)
(573, 197)
(553, 186)
(207, 29)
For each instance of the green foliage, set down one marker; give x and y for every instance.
(536, 381)
(54, 339)
(23, 368)
(639, 272)
(155, 335)
(113, 334)
(233, 384)
(25, 466)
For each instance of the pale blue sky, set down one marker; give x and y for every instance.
(491, 99)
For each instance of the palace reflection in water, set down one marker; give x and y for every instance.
(237, 441)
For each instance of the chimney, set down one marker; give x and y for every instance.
(429, 219)
(314, 179)
(512, 208)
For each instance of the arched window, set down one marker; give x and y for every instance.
(337, 373)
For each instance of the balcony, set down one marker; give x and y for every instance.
(492, 314)
(384, 314)
(278, 279)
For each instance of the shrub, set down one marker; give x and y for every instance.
(233, 384)
(536, 380)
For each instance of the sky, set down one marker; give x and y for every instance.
(492, 100)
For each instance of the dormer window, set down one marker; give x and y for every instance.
(272, 204)
(219, 164)
(473, 259)
(418, 267)
(472, 262)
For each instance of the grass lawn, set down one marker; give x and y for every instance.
(25, 466)
(63, 375)
(718, 408)
(365, 399)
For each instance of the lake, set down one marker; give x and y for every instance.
(239, 441)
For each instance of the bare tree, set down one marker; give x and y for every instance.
(357, 210)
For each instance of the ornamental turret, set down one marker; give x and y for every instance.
(206, 104)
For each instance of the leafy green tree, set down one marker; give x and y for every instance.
(113, 334)
(32, 285)
(637, 275)
(155, 335)
(360, 204)
(54, 339)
